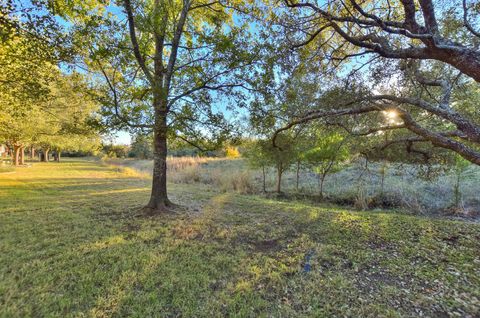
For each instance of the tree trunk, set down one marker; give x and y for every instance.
(382, 182)
(16, 155)
(456, 191)
(32, 153)
(56, 155)
(158, 198)
(279, 177)
(22, 155)
(45, 155)
(264, 183)
(298, 175)
(11, 152)
(322, 180)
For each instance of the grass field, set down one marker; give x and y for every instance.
(73, 244)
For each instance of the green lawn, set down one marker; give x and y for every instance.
(73, 244)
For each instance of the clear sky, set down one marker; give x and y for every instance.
(120, 138)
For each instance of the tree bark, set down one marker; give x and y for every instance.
(456, 191)
(16, 155)
(279, 177)
(22, 155)
(56, 155)
(45, 155)
(59, 153)
(32, 153)
(382, 182)
(159, 199)
(322, 180)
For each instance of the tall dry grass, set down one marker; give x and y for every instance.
(181, 163)
(352, 186)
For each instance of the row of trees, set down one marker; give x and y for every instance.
(42, 107)
(318, 150)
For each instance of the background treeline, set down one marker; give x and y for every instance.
(141, 147)
(44, 110)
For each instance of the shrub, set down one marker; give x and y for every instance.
(232, 152)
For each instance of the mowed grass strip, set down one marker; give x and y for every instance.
(73, 244)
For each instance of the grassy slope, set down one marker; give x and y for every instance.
(70, 245)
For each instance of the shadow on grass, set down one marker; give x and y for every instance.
(74, 246)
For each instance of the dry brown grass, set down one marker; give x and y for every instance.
(240, 181)
(182, 163)
(174, 164)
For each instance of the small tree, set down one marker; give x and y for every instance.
(327, 156)
(302, 145)
(263, 153)
(257, 159)
(115, 151)
(281, 156)
(459, 168)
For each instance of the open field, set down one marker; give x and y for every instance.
(73, 244)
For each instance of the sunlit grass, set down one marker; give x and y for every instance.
(73, 244)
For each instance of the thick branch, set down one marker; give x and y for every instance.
(465, 20)
(328, 113)
(466, 59)
(116, 103)
(133, 39)
(440, 140)
(176, 42)
(462, 123)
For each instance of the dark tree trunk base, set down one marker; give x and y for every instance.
(163, 207)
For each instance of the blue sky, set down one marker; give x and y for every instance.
(122, 138)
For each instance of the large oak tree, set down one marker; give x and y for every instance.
(166, 64)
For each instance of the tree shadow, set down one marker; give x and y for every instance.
(75, 246)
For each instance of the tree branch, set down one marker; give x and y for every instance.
(133, 39)
(465, 20)
(176, 42)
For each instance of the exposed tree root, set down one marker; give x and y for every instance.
(164, 207)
